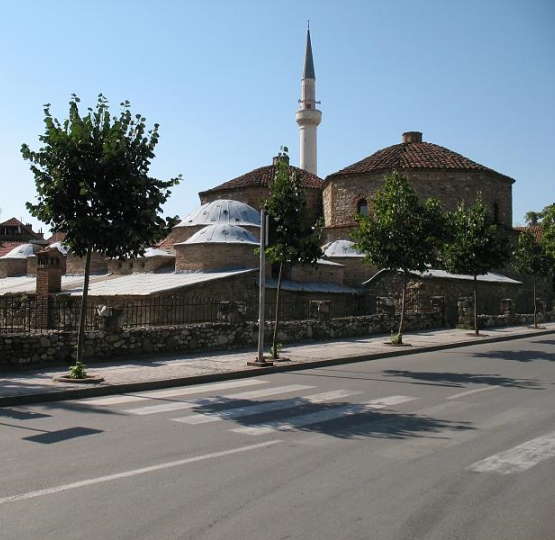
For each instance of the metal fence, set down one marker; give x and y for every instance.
(25, 313)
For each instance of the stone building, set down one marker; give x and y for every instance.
(433, 171)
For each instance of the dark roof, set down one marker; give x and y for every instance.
(308, 71)
(25, 229)
(415, 156)
(535, 230)
(262, 176)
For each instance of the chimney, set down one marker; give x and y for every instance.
(49, 272)
(412, 137)
(281, 157)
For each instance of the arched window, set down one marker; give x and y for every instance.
(362, 207)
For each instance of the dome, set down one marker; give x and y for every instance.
(155, 252)
(341, 248)
(60, 246)
(222, 234)
(22, 251)
(222, 211)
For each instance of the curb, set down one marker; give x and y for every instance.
(112, 389)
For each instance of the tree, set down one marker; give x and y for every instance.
(294, 239)
(401, 234)
(93, 184)
(546, 221)
(531, 257)
(476, 245)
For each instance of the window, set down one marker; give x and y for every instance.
(362, 207)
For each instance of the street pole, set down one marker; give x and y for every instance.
(261, 293)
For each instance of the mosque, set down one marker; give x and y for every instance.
(211, 251)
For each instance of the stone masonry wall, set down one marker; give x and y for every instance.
(341, 195)
(29, 350)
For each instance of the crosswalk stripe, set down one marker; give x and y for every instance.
(250, 410)
(321, 416)
(520, 458)
(161, 394)
(183, 405)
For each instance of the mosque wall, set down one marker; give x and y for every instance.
(342, 194)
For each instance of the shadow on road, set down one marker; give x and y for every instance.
(343, 420)
(460, 380)
(519, 356)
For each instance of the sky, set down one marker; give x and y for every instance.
(223, 79)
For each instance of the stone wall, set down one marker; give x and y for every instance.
(12, 267)
(29, 350)
(341, 194)
(200, 257)
(490, 294)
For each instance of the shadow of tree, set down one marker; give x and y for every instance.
(342, 420)
(15, 414)
(518, 356)
(460, 380)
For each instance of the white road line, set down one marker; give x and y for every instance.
(250, 410)
(320, 416)
(134, 472)
(520, 458)
(469, 392)
(183, 405)
(161, 394)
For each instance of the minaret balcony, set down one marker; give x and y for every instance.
(308, 117)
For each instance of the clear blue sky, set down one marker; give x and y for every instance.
(222, 78)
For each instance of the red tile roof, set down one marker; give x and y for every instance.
(14, 222)
(6, 247)
(536, 231)
(415, 156)
(262, 176)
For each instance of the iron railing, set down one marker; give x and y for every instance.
(27, 313)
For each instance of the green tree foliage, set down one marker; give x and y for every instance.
(531, 257)
(401, 234)
(546, 221)
(476, 245)
(93, 184)
(294, 239)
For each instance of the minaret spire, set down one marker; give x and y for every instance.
(308, 117)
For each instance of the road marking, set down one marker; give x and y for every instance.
(250, 410)
(161, 394)
(469, 392)
(134, 472)
(182, 405)
(520, 458)
(321, 416)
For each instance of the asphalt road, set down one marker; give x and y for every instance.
(455, 444)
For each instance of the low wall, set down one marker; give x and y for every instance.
(30, 350)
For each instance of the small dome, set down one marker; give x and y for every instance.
(222, 211)
(341, 248)
(155, 252)
(60, 246)
(222, 234)
(22, 251)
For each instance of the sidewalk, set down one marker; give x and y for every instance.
(124, 375)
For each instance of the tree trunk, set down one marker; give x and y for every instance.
(403, 307)
(83, 312)
(476, 328)
(535, 305)
(275, 352)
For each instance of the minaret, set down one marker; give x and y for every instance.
(308, 117)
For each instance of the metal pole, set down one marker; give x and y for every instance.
(261, 294)
(262, 286)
